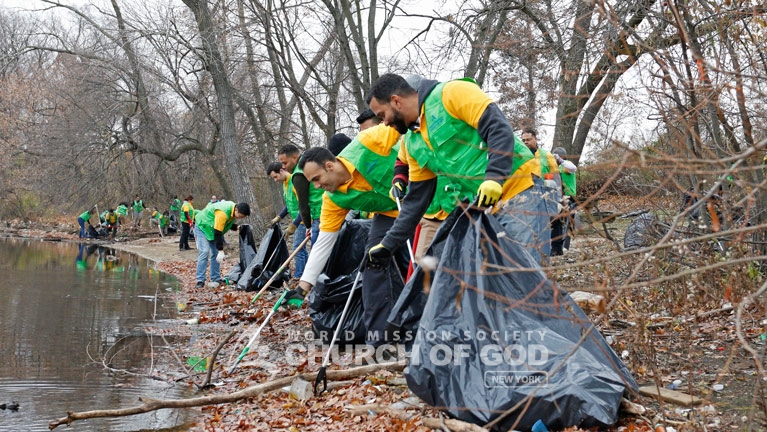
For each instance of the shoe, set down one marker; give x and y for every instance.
(200, 284)
(187, 248)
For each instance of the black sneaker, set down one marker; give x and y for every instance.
(200, 284)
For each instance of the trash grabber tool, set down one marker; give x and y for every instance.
(274, 253)
(409, 246)
(281, 269)
(258, 332)
(322, 374)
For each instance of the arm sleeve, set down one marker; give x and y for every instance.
(496, 131)
(400, 171)
(301, 185)
(318, 256)
(218, 238)
(297, 220)
(413, 208)
(283, 212)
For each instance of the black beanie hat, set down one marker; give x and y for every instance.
(337, 143)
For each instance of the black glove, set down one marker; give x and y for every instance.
(294, 298)
(398, 189)
(377, 257)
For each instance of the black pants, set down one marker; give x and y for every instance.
(560, 226)
(183, 242)
(382, 287)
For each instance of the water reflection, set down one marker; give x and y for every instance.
(73, 335)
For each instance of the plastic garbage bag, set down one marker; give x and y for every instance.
(640, 232)
(247, 253)
(328, 296)
(272, 252)
(495, 335)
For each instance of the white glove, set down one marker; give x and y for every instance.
(220, 257)
(568, 166)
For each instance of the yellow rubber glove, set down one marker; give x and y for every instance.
(489, 193)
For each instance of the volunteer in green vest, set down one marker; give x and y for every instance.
(85, 217)
(454, 130)
(159, 219)
(358, 179)
(175, 207)
(210, 225)
(545, 167)
(186, 217)
(309, 199)
(560, 228)
(279, 175)
(138, 211)
(122, 213)
(109, 219)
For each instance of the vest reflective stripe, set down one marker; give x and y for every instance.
(377, 170)
(289, 195)
(187, 207)
(315, 197)
(568, 181)
(205, 218)
(457, 153)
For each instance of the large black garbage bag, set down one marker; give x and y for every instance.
(640, 232)
(271, 254)
(495, 335)
(328, 296)
(247, 253)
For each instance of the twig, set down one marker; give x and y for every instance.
(149, 404)
(212, 361)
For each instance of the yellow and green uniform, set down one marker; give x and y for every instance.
(109, 218)
(289, 195)
(215, 217)
(160, 218)
(187, 208)
(121, 210)
(447, 145)
(369, 158)
(545, 163)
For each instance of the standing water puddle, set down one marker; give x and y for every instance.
(73, 338)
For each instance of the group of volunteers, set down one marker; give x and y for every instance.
(423, 148)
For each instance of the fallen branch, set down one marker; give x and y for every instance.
(452, 425)
(697, 317)
(212, 362)
(149, 404)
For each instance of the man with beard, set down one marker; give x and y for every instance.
(358, 179)
(454, 130)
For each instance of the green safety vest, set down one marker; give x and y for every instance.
(187, 207)
(568, 181)
(289, 195)
(377, 170)
(86, 216)
(458, 153)
(205, 218)
(138, 206)
(315, 197)
(175, 204)
(543, 158)
(122, 210)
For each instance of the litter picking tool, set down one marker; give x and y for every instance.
(258, 332)
(322, 374)
(409, 246)
(280, 270)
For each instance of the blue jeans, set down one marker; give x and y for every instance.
(303, 255)
(526, 220)
(81, 221)
(207, 251)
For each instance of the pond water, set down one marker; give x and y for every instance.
(73, 336)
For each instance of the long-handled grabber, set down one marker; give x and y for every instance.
(258, 332)
(409, 246)
(322, 374)
(281, 269)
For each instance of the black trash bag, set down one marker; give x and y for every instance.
(505, 333)
(271, 254)
(407, 310)
(328, 296)
(94, 233)
(326, 304)
(640, 232)
(247, 253)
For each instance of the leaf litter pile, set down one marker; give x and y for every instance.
(691, 331)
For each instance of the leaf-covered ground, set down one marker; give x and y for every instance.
(675, 323)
